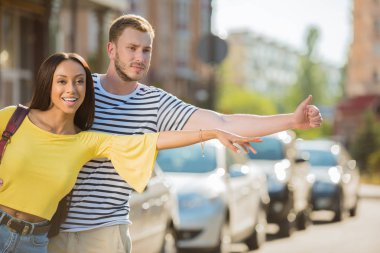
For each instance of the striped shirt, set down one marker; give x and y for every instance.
(100, 197)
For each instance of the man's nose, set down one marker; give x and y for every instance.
(139, 56)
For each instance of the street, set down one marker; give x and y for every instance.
(352, 235)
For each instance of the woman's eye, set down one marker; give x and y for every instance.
(61, 81)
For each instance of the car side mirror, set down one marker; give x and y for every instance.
(302, 157)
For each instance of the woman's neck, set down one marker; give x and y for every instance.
(56, 123)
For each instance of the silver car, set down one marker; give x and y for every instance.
(336, 177)
(220, 198)
(151, 217)
(289, 183)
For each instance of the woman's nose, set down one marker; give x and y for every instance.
(71, 88)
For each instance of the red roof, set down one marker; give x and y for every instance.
(358, 104)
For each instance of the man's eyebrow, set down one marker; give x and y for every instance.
(137, 45)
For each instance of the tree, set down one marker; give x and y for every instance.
(233, 99)
(311, 78)
(366, 141)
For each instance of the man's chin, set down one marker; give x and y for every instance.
(136, 77)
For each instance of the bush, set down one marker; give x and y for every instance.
(374, 162)
(366, 140)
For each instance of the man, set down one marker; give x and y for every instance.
(98, 216)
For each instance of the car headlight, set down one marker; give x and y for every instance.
(334, 175)
(281, 170)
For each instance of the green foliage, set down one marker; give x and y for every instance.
(233, 99)
(366, 141)
(325, 130)
(374, 162)
(311, 78)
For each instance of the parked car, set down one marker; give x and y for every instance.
(151, 216)
(289, 185)
(336, 175)
(219, 198)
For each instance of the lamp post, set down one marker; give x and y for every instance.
(212, 50)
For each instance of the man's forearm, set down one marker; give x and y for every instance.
(305, 116)
(256, 125)
(242, 124)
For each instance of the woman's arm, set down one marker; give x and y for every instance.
(176, 139)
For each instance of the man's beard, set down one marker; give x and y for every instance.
(120, 72)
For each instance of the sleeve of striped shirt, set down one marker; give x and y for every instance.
(173, 113)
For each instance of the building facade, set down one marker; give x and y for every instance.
(260, 64)
(362, 86)
(269, 67)
(33, 29)
(363, 70)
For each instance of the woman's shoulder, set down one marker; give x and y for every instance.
(7, 111)
(5, 115)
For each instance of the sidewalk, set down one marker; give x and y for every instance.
(369, 191)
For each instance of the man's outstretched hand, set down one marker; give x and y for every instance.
(307, 116)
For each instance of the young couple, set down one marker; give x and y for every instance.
(42, 161)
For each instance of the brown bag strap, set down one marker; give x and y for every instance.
(13, 124)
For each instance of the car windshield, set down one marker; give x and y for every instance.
(268, 149)
(321, 158)
(188, 159)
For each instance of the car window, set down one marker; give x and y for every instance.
(321, 158)
(188, 159)
(268, 149)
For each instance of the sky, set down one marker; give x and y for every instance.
(286, 21)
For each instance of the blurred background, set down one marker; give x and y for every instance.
(240, 56)
(271, 56)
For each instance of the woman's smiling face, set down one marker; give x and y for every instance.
(69, 87)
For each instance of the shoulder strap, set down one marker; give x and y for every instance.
(13, 124)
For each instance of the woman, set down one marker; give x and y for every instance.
(42, 161)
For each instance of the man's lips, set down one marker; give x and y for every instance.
(138, 67)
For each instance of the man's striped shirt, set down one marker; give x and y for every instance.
(100, 197)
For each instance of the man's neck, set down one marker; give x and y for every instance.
(114, 85)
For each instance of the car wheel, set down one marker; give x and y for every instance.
(339, 211)
(286, 227)
(258, 236)
(303, 219)
(353, 210)
(169, 245)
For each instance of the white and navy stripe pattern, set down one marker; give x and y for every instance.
(100, 197)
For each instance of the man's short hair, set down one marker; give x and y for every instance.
(130, 20)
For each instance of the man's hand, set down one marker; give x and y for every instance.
(307, 116)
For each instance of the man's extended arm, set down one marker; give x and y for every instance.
(304, 117)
